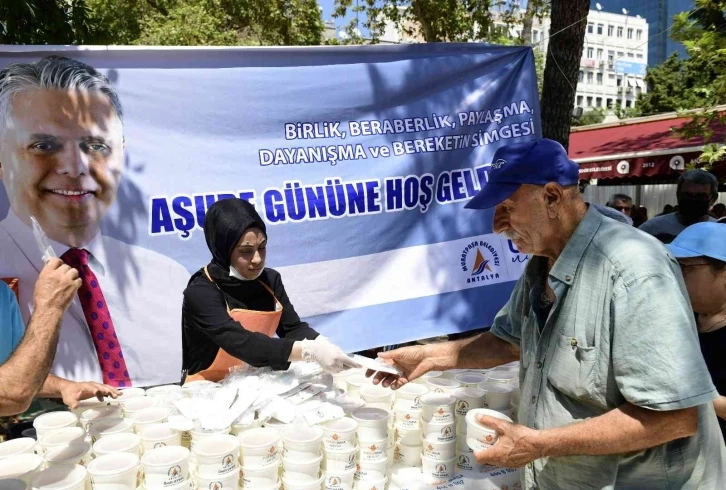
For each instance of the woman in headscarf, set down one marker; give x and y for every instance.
(234, 305)
(701, 252)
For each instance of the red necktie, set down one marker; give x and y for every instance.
(108, 350)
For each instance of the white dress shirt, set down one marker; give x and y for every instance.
(143, 291)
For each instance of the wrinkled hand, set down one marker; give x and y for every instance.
(413, 361)
(515, 446)
(73, 393)
(56, 286)
(330, 357)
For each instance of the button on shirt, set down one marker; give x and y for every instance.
(621, 330)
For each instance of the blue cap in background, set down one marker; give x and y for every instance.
(706, 239)
(534, 162)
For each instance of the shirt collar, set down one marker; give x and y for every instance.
(566, 265)
(23, 235)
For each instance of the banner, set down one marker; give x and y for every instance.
(359, 159)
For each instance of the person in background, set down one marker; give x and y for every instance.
(621, 202)
(25, 362)
(615, 391)
(639, 215)
(701, 253)
(604, 210)
(234, 305)
(667, 209)
(696, 191)
(718, 211)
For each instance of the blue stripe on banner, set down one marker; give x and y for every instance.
(415, 319)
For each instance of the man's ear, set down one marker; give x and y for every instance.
(553, 198)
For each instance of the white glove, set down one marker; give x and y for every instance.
(330, 357)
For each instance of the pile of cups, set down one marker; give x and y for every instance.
(260, 458)
(375, 447)
(302, 457)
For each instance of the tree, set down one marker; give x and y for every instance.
(44, 22)
(567, 34)
(593, 116)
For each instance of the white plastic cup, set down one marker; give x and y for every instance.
(164, 391)
(408, 419)
(339, 480)
(23, 466)
(301, 481)
(310, 467)
(467, 399)
(437, 472)
(23, 445)
(165, 466)
(373, 451)
(478, 436)
(115, 469)
(438, 407)
(229, 482)
(369, 470)
(148, 416)
(99, 413)
(217, 455)
(377, 396)
(84, 405)
(200, 435)
(409, 437)
(445, 432)
(275, 424)
(372, 423)
(339, 434)
(259, 448)
(49, 422)
(340, 459)
(442, 385)
(431, 374)
(469, 380)
(453, 373)
(497, 396)
(62, 437)
(256, 478)
(355, 381)
(439, 451)
(461, 445)
(64, 477)
(107, 426)
(126, 394)
(124, 442)
(372, 483)
(13, 484)
(133, 405)
(79, 453)
(301, 443)
(465, 461)
(408, 397)
(407, 455)
(237, 429)
(350, 403)
(502, 377)
(159, 435)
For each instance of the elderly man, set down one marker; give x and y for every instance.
(24, 373)
(615, 392)
(61, 159)
(623, 203)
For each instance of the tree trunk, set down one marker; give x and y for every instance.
(562, 66)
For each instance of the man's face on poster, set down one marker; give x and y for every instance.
(62, 154)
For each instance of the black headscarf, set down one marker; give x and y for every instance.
(224, 224)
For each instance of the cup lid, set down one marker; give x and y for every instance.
(370, 414)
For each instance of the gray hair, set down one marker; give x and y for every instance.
(699, 177)
(619, 197)
(52, 72)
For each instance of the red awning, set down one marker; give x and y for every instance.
(639, 149)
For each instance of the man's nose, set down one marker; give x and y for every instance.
(73, 162)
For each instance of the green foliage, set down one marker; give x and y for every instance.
(626, 112)
(44, 22)
(593, 116)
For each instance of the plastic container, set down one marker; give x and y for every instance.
(154, 436)
(436, 432)
(407, 455)
(502, 376)
(199, 435)
(467, 399)
(465, 461)
(125, 442)
(497, 396)
(409, 437)
(438, 407)
(13, 484)
(98, 413)
(148, 416)
(165, 466)
(259, 448)
(66, 477)
(75, 453)
(340, 460)
(427, 376)
(350, 403)
(437, 472)
(469, 380)
(373, 451)
(372, 423)
(370, 470)
(339, 434)
(439, 451)
(256, 478)
(217, 455)
(23, 445)
(49, 422)
(229, 482)
(62, 437)
(23, 466)
(479, 437)
(130, 407)
(301, 481)
(355, 381)
(301, 443)
(408, 397)
(309, 467)
(376, 396)
(162, 392)
(442, 385)
(115, 469)
(107, 426)
(339, 480)
(408, 420)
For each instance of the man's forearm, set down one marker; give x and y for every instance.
(624, 429)
(26, 370)
(482, 351)
(52, 387)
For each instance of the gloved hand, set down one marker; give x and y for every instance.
(330, 357)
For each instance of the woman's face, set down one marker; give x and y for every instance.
(248, 256)
(706, 286)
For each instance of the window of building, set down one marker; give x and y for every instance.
(639, 56)
(589, 77)
(631, 55)
(611, 29)
(627, 103)
(611, 80)
(599, 29)
(620, 82)
(609, 103)
(580, 76)
(589, 102)
(598, 102)
(579, 101)
(599, 54)
(611, 56)
(590, 28)
(620, 54)
(620, 31)
(590, 52)
(630, 33)
(638, 90)
(638, 35)
(599, 78)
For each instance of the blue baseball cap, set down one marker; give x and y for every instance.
(534, 162)
(706, 239)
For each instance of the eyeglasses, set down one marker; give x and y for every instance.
(622, 209)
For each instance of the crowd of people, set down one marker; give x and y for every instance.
(617, 321)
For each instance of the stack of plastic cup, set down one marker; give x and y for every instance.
(302, 457)
(453, 373)
(407, 411)
(216, 458)
(154, 436)
(99, 412)
(107, 426)
(48, 422)
(376, 396)
(124, 442)
(340, 450)
(374, 447)
(466, 399)
(24, 466)
(166, 467)
(260, 458)
(134, 405)
(442, 385)
(64, 477)
(118, 470)
(470, 380)
(72, 454)
(148, 416)
(23, 445)
(497, 396)
(431, 374)
(61, 438)
(354, 382)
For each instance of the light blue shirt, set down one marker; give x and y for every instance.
(621, 330)
(11, 323)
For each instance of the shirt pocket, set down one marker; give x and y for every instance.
(528, 342)
(573, 369)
